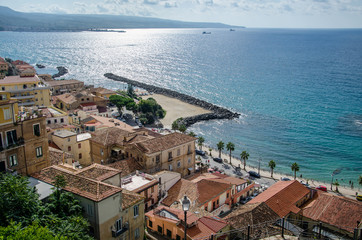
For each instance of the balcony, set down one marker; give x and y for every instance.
(117, 233)
(23, 97)
(19, 142)
(189, 152)
(170, 159)
(26, 104)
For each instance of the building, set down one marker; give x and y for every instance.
(170, 222)
(93, 123)
(259, 216)
(55, 117)
(72, 101)
(103, 92)
(143, 184)
(337, 216)
(29, 91)
(24, 69)
(23, 139)
(153, 151)
(4, 67)
(126, 166)
(89, 108)
(284, 197)
(166, 180)
(58, 87)
(113, 212)
(76, 144)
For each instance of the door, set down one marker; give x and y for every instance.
(2, 166)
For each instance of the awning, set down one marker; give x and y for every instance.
(190, 169)
(116, 149)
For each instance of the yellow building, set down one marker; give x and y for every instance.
(76, 144)
(29, 91)
(103, 92)
(23, 139)
(3, 68)
(113, 212)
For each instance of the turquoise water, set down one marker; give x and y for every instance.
(299, 91)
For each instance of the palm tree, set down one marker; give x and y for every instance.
(220, 147)
(192, 134)
(210, 149)
(295, 169)
(182, 128)
(272, 166)
(244, 156)
(200, 141)
(230, 147)
(336, 183)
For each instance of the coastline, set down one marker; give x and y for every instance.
(216, 112)
(343, 190)
(175, 109)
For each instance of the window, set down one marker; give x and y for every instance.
(119, 224)
(227, 195)
(3, 88)
(217, 202)
(62, 120)
(11, 137)
(87, 99)
(13, 160)
(189, 149)
(135, 211)
(152, 189)
(157, 158)
(69, 148)
(90, 210)
(68, 139)
(169, 233)
(7, 114)
(39, 152)
(137, 233)
(36, 128)
(178, 237)
(159, 229)
(178, 152)
(102, 152)
(80, 156)
(49, 122)
(169, 155)
(189, 160)
(150, 223)
(82, 99)
(170, 167)
(55, 121)
(24, 86)
(79, 145)
(178, 164)
(206, 208)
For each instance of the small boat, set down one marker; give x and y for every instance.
(206, 32)
(232, 30)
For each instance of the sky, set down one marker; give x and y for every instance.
(248, 13)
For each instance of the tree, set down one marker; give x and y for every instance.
(295, 169)
(18, 202)
(192, 134)
(230, 147)
(220, 146)
(182, 128)
(272, 166)
(174, 125)
(244, 156)
(336, 183)
(210, 150)
(130, 91)
(120, 101)
(200, 141)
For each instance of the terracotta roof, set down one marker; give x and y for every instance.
(149, 132)
(126, 166)
(103, 90)
(18, 79)
(110, 136)
(251, 214)
(130, 198)
(111, 122)
(164, 142)
(82, 186)
(180, 214)
(214, 223)
(283, 196)
(62, 82)
(98, 172)
(201, 192)
(19, 62)
(334, 210)
(66, 98)
(56, 156)
(2, 59)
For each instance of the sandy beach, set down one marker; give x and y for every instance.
(343, 191)
(175, 109)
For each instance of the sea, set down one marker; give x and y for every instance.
(299, 91)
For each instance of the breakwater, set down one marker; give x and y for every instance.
(217, 112)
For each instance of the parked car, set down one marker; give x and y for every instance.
(359, 197)
(322, 188)
(285, 179)
(199, 152)
(219, 160)
(254, 174)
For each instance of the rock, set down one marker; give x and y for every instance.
(61, 71)
(217, 112)
(39, 65)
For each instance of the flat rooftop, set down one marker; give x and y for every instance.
(136, 181)
(64, 133)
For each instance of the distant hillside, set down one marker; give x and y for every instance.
(11, 20)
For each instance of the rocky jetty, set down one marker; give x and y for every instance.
(61, 71)
(217, 112)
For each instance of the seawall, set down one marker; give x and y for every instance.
(217, 112)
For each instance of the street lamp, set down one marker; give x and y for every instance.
(185, 207)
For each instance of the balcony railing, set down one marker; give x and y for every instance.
(116, 233)
(19, 142)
